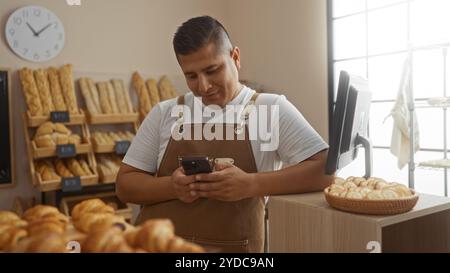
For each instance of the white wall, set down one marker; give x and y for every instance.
(283, 45)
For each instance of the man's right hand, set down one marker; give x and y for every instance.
(180, 184)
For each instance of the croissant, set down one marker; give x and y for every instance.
(99, 221)
(106, 241)
(46, 225)
(10, 236)
(43, 211)
(43, 243)
(91, 205)
(10, 218)
(154, 235)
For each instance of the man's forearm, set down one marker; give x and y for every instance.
(307, 176)
(142, 188)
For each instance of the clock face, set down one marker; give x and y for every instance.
(35, 33)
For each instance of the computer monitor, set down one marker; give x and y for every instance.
(350, 124)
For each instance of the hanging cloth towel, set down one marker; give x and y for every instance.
(400, 141)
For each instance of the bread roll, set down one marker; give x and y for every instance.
(43, 86)
(55, 90)
(44, 141)
(30, 91)
(75, 167)
(45, 129)
(66, 79)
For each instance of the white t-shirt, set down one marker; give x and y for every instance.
(297, 139)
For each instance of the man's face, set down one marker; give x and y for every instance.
(212, 74)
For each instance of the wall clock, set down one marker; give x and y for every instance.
(35, 33)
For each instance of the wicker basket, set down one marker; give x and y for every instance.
(375, 207)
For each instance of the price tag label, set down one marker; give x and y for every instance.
(72, 184)
(66, 150)
(122, 147)
(58, 116)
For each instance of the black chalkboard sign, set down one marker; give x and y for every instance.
(6, 130)
(121, 147)
(72, 184)
(66, 150)
(62, 117)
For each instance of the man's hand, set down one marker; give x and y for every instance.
(227, 183)
(180, 184)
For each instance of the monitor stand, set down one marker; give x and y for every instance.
(367, 145)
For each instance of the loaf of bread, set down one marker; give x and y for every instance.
(30, 92)
(120, 97)
(43, 86)
(166, 89)
(119, 86)
(87, 95)
(68, 90)
(94, 94)
(152, 87)
(50, 134)
(46, 170)
(62, 170)
(55, 90)
(75, 167)
(145, 104)
(112, 98)
(104, 98)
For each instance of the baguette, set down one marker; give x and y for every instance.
(55, 90)
(87, 95)
(144, 100)
(120, 98)
(65, 74)
(94, 94)
(153, 91)
(30, 92)
(112, 98)
(104, 99)
(43, 86)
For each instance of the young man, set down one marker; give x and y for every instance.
(223, 209)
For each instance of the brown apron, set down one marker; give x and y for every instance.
(225, 226)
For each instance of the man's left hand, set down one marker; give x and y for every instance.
(227, 183)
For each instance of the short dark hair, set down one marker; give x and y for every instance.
(198, 32)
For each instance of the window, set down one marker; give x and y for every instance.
(371, 38)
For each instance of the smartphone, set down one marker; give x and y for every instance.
(195, 164)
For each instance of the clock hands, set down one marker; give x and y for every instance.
(40, 31)
(32, 30)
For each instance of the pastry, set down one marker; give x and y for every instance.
(90, 206)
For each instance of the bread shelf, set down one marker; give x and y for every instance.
(110, 198)
(38, 153)
(112, 118)
(36, 121)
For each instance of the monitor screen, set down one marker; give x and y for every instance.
(350, 123)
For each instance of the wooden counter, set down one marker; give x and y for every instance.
(306, 223)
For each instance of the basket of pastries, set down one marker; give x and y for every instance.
(370, 196)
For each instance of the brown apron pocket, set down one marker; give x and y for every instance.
(221, 246)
